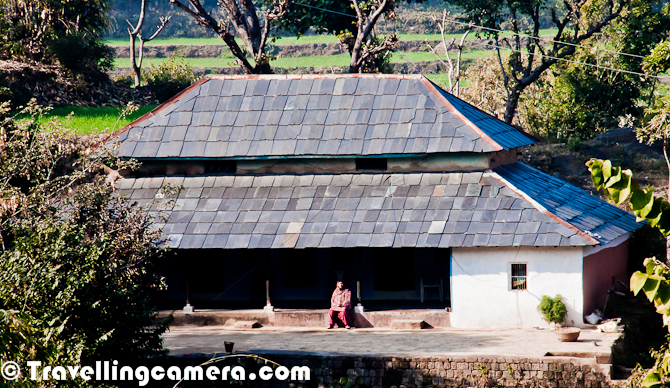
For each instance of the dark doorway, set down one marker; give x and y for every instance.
(394, 269)
(297, 267)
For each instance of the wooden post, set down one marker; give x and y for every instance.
(358, 291)
(188, 293)
(268, 307)
(359, 308)
(188, 309)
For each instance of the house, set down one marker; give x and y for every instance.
(386, 181)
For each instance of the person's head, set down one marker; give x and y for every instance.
(340, 284)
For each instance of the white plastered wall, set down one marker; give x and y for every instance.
(480, 289)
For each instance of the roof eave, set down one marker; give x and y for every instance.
(157, 109)
(542, 209)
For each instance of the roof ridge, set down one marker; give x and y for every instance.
(313, 76)
(541, 208)
(422, 111)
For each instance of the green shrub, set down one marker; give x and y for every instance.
(553, 309)
(5, 94)
(125, 80)
(574, 143)
(69, 33)
(169, 78)
(79, 52)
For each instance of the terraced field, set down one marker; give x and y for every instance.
(307, 54)
(295, 40)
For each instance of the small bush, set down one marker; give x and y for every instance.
(5, 94)
(553, 309)
(125, 80)
(79, 52)
(169, 78)
(574, 143)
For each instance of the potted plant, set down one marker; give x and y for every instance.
(553, 311)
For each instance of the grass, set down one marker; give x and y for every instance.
(295, 40)
(439, 79)
(304, 61)
(420, 56)
(87, 120)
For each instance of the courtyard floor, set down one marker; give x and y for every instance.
(188, 340)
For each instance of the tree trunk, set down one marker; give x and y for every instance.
(355, 63)
(136, 76)
(136, 32)
(512, 104)
(133, 63)
(263, 68)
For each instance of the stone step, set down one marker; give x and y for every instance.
(409, 324)
(216, 317)
(307, 318)
(247, 325)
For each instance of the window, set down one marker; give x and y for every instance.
(370, 163)
(518, 277)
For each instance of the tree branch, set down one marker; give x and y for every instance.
(502, 68)
(279, 9)
(458, 62)
(386, 44)
(560, 51)
(206, 20)
(373, 19)
(164, 20)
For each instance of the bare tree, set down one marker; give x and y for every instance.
(135, 32)
(454, 74)
(576, 21)
(242, 15)
(570, 30)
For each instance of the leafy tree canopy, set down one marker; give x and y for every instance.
(658, 61)
(325, 16)
(576, 21)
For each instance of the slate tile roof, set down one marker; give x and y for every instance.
(309, 115)
(596, 218)
(513, 205)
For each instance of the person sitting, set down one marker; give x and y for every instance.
(340, 306)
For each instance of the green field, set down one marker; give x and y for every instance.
(304, 61)
(87, 120)
(295, 40)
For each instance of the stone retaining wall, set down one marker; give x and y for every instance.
(451, 371)
(284, 50)
(425, 372)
